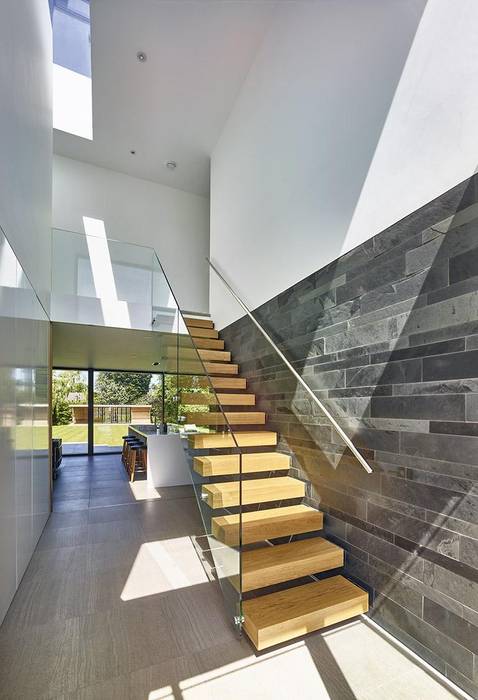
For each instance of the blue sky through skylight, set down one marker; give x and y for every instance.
(72, 92)
(71, 35)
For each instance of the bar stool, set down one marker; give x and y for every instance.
(129, 454)
(126, 440)
(137, 461)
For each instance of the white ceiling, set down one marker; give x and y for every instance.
(173, 106)
(76, 345)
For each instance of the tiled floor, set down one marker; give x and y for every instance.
(116, 605)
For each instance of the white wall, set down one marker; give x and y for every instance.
(173, 222)
(25, 217)
(26, 135)
(353, 115)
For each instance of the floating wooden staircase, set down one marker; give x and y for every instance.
(269, 618)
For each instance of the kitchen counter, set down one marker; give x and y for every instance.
(167, 463)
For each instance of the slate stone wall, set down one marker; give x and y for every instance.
(387, 336)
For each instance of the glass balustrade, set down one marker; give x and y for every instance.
(203, 423)
(99, 281)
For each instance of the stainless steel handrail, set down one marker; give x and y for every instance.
(304, 384)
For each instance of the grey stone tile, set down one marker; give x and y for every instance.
(454, 428)
(464, 266)
(450, 624)
(472, 342)
(448, 407)
(445, 332)
(472, 407)
(458, 386)
(405, 371)
(424, 256)
(452, 584)
(453, 366)
(469, 551)
(452, 448)
(447, 346)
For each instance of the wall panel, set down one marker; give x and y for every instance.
(24, 457)
(387, 339)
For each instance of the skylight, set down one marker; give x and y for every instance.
(72, 98)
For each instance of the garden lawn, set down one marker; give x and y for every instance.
(110, 434)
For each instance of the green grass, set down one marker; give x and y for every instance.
(25, 437)
(104, 433)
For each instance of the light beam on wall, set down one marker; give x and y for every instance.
(115, 312)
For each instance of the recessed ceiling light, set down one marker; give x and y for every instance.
(171, 165)
(155, 364)
(141, 56)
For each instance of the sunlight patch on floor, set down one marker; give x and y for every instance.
(165, 693)
(161, 566)
(280, 674)
(143, 491)
(350, 661)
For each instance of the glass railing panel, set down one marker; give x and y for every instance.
(200, 418)
(101, 281)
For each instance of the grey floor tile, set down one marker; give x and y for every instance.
(112, 513)
(114, 531)
(63, 537)
(103, 556)
(70, 505)
(197, 617)
(61, 520)
(111, 500)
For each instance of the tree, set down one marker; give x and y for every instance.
(61, 413)
(174, 409)
(171, 406)
(122, 387)
(65, 383)
(70, 381)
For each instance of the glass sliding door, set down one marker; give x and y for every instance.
(118, 399)
(122, 399)
(70, 410)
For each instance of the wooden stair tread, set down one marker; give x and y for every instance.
(221, 368)
(227, 493)
(221, 465)
(204, 382)
(208, 343)
(279, 617)
(227, 418)
(198, 323)
(285, 562)
(266, 524)
(203, 333)
(254, 438)
(214, 355)
(200, 399)
(228, 382)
